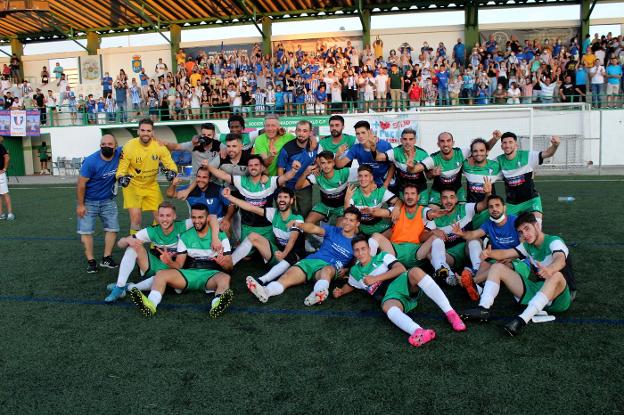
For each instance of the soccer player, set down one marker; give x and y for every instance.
(332, 258)
(336, 142)
(518, 168)
(447, 249)
(197, 266)
(332, 185)
(96, 197)
(544, 285)
(163, 236)
(501, 233)
(236, 124)
(386, 279)
(365, 152)
(137, 173)
(302, 149)
(368, 199)
(4, 183)
(285, 248)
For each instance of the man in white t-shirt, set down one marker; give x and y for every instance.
(597, 77)
(161, 68)
(381, 81)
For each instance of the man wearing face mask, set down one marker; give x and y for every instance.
(96, 197)
(202, 147)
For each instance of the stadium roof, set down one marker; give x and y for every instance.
(40, 20)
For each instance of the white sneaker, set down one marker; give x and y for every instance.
(451, 279)
(316, 297)
(257, 289)
(10, 216)
(3, 216)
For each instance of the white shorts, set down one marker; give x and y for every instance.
(613, 89)
(4, 184)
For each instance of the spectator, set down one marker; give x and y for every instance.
(597, 77)
(43, 158)
(121, 92)
(58, 71)
(45, 76)
(513, 94)
(459, 53)
(614, 78)
(107, 84)
(15, 68)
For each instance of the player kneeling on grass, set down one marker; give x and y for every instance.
(386, 279)
(197, 266)
(544, 285)
(285, 248)
(333, 256)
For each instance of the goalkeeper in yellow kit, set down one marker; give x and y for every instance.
(137, 171)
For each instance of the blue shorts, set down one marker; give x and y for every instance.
(106, 210)
(288, 97)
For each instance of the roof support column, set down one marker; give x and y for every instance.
(267, 31)
(17, 48)
(587, 7)
(471, 25)
(175, 34)
(93, 42)
(365, 19)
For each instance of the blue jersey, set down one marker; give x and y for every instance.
(291, 152)
(107, 83)
(380, 168)
(101, 175)
(210, 197)
(502, 237)
(443, 78)
(336, 248)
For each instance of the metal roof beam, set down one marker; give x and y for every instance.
(145, 17)
(243, 7)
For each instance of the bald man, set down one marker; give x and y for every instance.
(96, 196)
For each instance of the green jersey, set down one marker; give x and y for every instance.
(463, 213)
(248, 139)
(376, 199)
(326, 143)
(474, 178)
(333, 189)
(518, 175)
(403, 177)
(280, 225)
(262, 146)
(258, 194)
(378, 264)
(198, 250)
(543, 256)
(451, 169)
(158, 239)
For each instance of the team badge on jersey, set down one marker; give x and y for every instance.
(154, 157)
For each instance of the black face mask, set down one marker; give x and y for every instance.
(107, 152)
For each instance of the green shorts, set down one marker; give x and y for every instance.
(458, 252)
(154, 264)
(379, 227)
(311, 267)
(531, 205)
(399, 290)
(406, 254)
(480, 218)
(434, 196)
(328, 211)
(533, 283)
(196, 279)
(265, 231)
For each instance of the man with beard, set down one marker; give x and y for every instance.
(285, 248)
(331, 259)
(337, 142)
(96, 197)
(236, 124)
(138, 168)
(501, 233)
(303, 150)
(544, 285)
(196, 266)
(202, 147)
(387, 280)
(518, 168)
(447, 249)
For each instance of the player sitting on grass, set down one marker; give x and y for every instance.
(501, 233)
(332, 258)
(195, 267)
(544, 285)
(285, 247)
(383, 277)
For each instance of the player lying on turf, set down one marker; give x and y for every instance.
(544, 285)
(383, 277)
(332, 258)
(285, 248)
(196, 267)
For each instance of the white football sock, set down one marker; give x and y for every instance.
(144, 285)
(155, 297)
(474, 250)
(275, 272)
(128, 261)
(243, 249)
(274, 288)
(438, 253)
(374, 246)
(321, 285)
(490, 291)
(433, 291)
(537, 304)
(402, 320)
